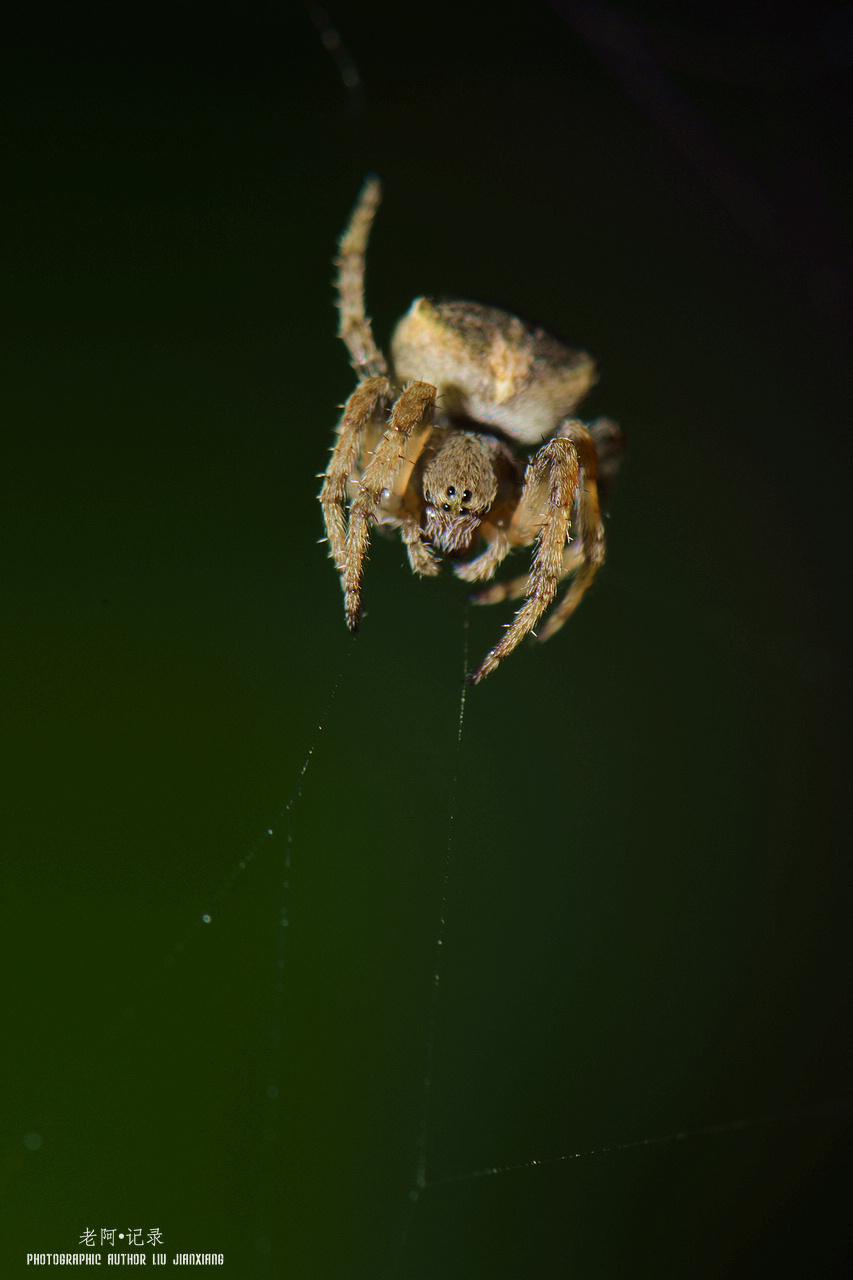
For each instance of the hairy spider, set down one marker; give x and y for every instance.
(432, 449)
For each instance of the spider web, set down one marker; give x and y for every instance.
(655, 1095)
(519, 1107)
(459, 1012)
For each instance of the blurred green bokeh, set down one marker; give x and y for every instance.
(648, 903)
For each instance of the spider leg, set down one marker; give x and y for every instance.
(485, 564)
(354, 329)
(498, 591)
(609, 448)
(421, 558)
(523, 529)
(411, 415)
(590, 541)
(557, 464)
(602, 440)
(359, 412)
(513, 588)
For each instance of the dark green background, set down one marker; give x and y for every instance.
(648, 910)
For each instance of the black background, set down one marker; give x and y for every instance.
(648, 900)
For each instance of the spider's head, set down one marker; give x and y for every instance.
(459, 486)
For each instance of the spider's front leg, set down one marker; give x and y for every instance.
(412, 416)
(557, 462)
(367, 402)
(600, 447)
(586, 555)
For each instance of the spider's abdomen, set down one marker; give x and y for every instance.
(491, 367)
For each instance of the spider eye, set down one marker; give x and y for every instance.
(466, 495)
(445, 506)
(451, 489)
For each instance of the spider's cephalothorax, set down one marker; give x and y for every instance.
(432, 448)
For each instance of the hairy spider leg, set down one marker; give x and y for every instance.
(513, 588)
(367, 402)
(590, 528)
(584, 555)
(409, 429)
(354, 328)
(557, 463)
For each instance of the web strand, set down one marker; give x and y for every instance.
(272, 1118)
(420, 1170)
(135, 1003)
(420, 1180)
(833, 1110)
(830, 1109)
(286, 811)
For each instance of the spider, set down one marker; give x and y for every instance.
(432, 449)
